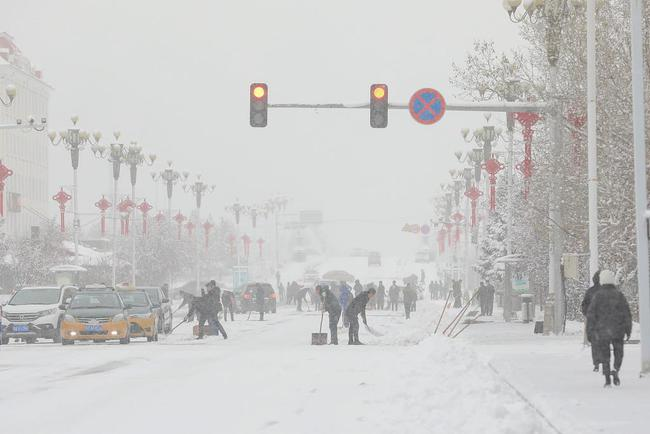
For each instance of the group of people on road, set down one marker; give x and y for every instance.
(207, 307)
(351, 306)
(608, 324)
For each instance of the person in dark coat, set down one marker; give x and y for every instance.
(228, 301)
(410, 296)
(393, 296)
(281, 292)
(260, 300)
(432, 290)
(609, 321)
(482, 298)
(300, 296)
(457, 293)
(206, 307)
(356, 308)
(584, 308)
(345, 297)
(333, 308)
(381, 296)
(358, 288)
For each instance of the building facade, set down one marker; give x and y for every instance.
(24, 151)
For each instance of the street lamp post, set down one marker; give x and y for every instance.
(75, 140)
(198, 189)
(170, 177)
(134, 158)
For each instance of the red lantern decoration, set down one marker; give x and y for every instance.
(492, 167)
(260, 244)
(103, 204)
(526, 167)
(179, 218)
(247, 244)
(5, 173)
(62, 198)
(190, 228)
(125, 208)
(207, 227)
(144, 207)
(473, 194)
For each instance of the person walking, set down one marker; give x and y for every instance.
(410, 296)
(457, 293)
(432, 290)
(393, 296)
(609, 321)
(345, 297)
(381, 295)
(281, 291)
(205, 307)
(260, 300)
(489, 301)
(228, 301)
(356, 308)
(300, 296)
(333, 308)
(482, 297)
(584, 308)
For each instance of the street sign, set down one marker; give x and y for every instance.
(427, 106)
(425, 229)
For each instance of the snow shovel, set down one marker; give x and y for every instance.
(172, 331)
(319, 338)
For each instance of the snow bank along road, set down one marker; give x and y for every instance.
(266, 378)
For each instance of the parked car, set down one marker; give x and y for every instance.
(143, 319)
(35, 312)
(248, 293)
(162, 306)
(96, 314)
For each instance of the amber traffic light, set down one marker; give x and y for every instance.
(259, 99)
(379, 106)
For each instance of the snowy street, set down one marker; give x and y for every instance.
(265, 378)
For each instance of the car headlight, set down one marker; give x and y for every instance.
(68, 318)
(48, 312)
(118, 317)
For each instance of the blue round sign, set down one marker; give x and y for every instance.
(427, 106)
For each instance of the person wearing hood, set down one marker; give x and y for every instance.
(584, 308)
(609, 321)
(333, 308)
(356, 308)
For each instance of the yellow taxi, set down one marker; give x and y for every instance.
(143, 318)
(95, 314)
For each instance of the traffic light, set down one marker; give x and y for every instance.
(379, 106)
(259, 105)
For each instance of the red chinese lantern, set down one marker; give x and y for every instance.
(247, 244)
(179, 218)
(473, 194)
(125, 208)
(5, 173)
(103, 204)
(62, 198)
(526, 167)
(144, 207)
(492, 167)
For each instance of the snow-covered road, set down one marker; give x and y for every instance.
(265, 378)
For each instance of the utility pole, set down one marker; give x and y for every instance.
(592, 148)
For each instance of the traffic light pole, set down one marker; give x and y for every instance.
(502, 107)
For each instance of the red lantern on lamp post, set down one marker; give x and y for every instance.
(62, 198)
(179, 219)
(207, 227)
(144, 207)
(492, 167)
(473, 194)
(5, 173)
(260, 244)
(125, 208)
(526, 167)
(247, 244)
(103, 204)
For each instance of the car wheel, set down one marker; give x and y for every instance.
(5, 341)
(30, 340)
(66, 342)
(150, 339)
(126, 340)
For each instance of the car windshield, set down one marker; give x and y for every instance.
(100, 300)
(36, 296)
(134, 298)
(153, 296)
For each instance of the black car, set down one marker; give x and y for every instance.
(247, 298)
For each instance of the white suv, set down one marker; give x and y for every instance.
(35, 312)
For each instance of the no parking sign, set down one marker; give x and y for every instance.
(427, 106)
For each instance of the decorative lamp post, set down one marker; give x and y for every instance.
(144, 208)
(198, 189)
(492, 167)
(170, 177)
(62, 198)
(103, 204)
(179, 219)
(125, 207)
(526, 167)
(5, 173)
(75, 140)
(190, 228)
(237, 209)
(473, 194)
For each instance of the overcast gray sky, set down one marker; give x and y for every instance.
(174, 76)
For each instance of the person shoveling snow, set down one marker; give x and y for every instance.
(358, 306)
